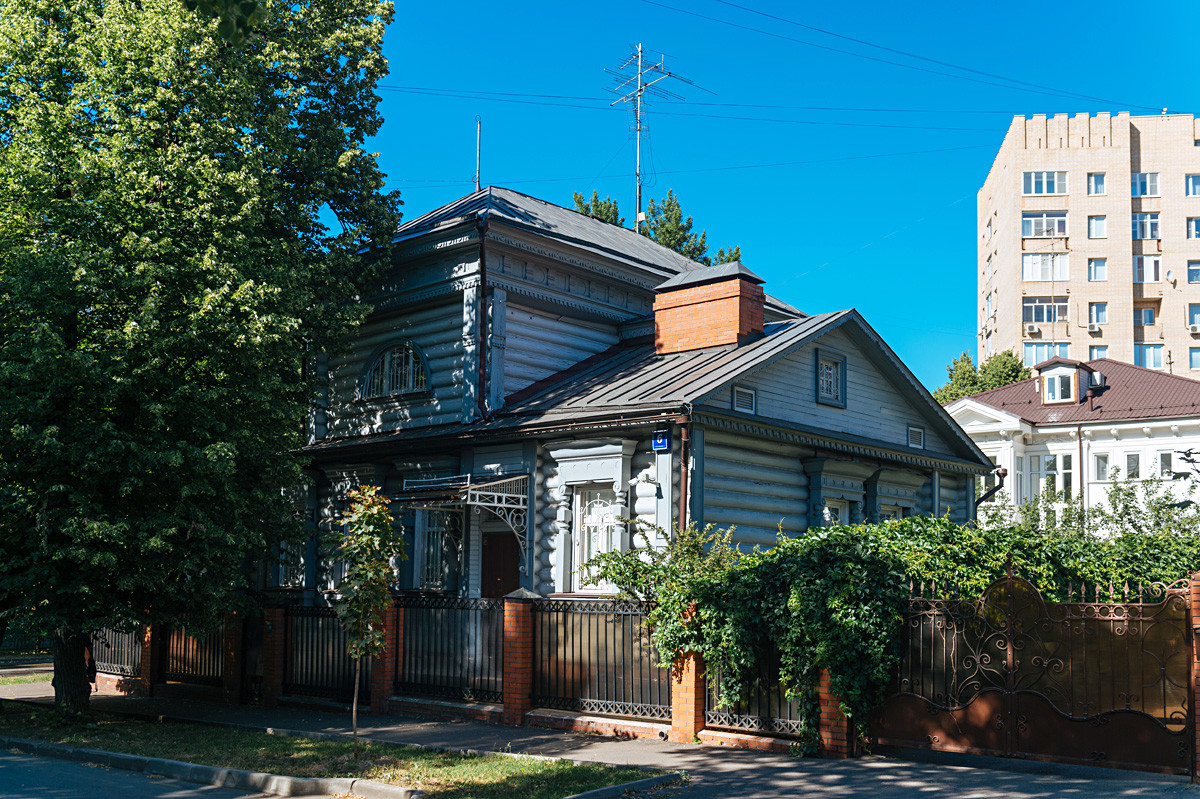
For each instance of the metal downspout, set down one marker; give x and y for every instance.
(685, 425)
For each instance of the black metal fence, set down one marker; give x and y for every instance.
(118, 653)
(195, 659)
(315, 663)
(596, 656)
(17, 640)
(760, 702)
(451, 647)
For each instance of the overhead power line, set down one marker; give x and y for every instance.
(1008, 85)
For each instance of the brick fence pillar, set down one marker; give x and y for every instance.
(687, 698)
(383, 667)
(837, 738)
(232, 658)
(272, 657)
(518, 655)
(1193, 619)
(151, 652)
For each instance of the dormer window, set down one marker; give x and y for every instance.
(397, 369)
(1059, 388)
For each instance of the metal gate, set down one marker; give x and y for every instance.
(1102, 683)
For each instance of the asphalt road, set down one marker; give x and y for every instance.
(29, 777)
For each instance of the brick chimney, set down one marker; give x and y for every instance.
(708, 307)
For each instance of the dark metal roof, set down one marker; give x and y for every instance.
(711, 274)
(1130, 393)
(553, 221)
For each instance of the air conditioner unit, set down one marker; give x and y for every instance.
(1031, 328)
(1093, 327)
(1194, 329)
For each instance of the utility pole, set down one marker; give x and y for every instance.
(635, 87)
(478, 131)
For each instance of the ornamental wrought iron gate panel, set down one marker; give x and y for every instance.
(1102, 683)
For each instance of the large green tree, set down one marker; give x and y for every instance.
(164, 268)
(664, 224)
(963, 379)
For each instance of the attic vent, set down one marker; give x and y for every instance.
(916, 437)
(743, 399)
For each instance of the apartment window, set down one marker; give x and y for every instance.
(987, 307)
(988, 346)
(1044, 310)
(1037, 351)
(1144, 184)
(1148, 355)
(1193, 227)
(989, 230)
(1133, 465)
(1146, 268)
(1097, 351)
(1043, 224)
(1097, 227)
(1098, 269)
(1044, 182)
(1145, 226)
(1143, 317)
(831, 379)
(1191, 185)
(1100, 466)
(989, 271)
(1095, 183)
(1058, 388)
(1044, 266)
(1098, 313)
(1194, 357)
(1193, 313)
(1193, 271)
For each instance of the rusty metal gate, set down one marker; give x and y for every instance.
(1102, 683)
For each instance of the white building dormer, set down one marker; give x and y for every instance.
(1062, 381)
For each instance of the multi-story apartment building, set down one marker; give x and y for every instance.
(1089, 241)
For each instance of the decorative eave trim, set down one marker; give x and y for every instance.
(402, 300)
(796, 434)
(591, 309)
(573, 260)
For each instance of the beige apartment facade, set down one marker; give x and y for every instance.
(1089, 241)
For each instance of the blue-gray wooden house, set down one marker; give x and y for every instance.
(531, 377)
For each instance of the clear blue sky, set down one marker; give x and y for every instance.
(871, 208)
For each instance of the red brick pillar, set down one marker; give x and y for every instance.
(687, 698)
(232, 659)
(383, 666)
(273, 655)
(837, 738)
(151, 652)
(1193, 620)
(518, 655)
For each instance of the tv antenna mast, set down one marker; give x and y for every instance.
(635, 87)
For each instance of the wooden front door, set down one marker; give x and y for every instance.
(499, 573)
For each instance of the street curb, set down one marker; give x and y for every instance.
(213, 775)
(613, 791)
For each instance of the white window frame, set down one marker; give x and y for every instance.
(1095, 184)
(1143, 317)
(1043, 267)
(1097, 351)
(1098, 313)
(1101, 470)
(1133, 466)
(1191, 185)
(1145, 226)
(1097, 227)
(1193, 313)
(831, 378)
(1044, 224)
(1043, 310)
(1193, 227)
(1141, 274)
(1049, 349)
(1052, 472)
(609, 543)
(835, 511)
(1143, 184)
(1097, 270)
(1149, 355)
(1193, 357)
(1193, 271)
(1043, 182)
(1058, 388)
(1168, 472)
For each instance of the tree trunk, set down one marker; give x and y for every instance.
(72, 692)
(354, 707)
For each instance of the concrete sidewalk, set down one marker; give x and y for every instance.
(713, 771)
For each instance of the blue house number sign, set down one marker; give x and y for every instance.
(661, 441)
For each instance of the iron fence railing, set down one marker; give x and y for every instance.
(315, 661)
(118, 652)
(17, 640)
(193, 658)
(597, 656)
(760, 703)
(451, 647)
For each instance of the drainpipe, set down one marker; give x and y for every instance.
(1001, 473)
(685, 424)
(1080, 472)
(481, 227)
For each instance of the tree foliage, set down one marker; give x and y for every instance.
(605, 210)
(368, 546)
(963, 379)
(163, 268)
(665, 224)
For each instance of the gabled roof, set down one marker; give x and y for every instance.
(1130, 393)
(555, 222)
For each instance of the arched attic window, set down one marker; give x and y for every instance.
(396, 368)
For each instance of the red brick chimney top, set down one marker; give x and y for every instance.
(708, 307)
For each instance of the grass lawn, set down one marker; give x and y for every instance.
(25, 679)
(440, 774)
